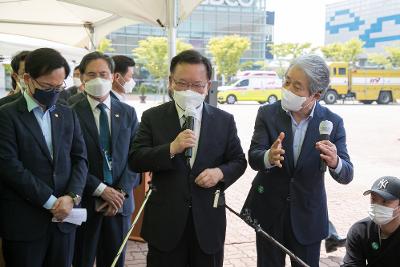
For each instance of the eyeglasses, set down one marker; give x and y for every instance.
(51, 88)
(186, 85)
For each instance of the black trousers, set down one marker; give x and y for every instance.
(269, 255)
(187, 253)
(99, 239)
(53, 249)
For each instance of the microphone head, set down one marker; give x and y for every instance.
(325, 127)
(190, 112)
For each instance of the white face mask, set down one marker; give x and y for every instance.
(380, 214)
(128, 86)
(188, 99)
(77, 82)
(291, 101)
(98, 87)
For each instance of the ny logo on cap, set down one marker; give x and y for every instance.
(383, 183)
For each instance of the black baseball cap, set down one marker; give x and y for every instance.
(387, 187)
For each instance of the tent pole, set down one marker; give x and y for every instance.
(172, 26)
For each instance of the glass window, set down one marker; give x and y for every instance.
(342, 71)
(243, 83)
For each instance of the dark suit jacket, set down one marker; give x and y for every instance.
(9, 98)
(124, 124)
(303, 185)
(167, 210)
(30, 176)
(67, 94)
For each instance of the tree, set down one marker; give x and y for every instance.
(152, 52)
(393, 55)
(227, 52)
(348, 51)
(290, 50)
(379, 59)
(105, 46)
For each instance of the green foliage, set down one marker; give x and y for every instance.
(290, 50)
(253, 65)
(379, 59)
(227, 52)
(105, 46)
(347, 52)
(142, 89)
(7, 68)
(393, 55)
(152, 53)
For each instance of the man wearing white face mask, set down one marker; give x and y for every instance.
(288, 196)
(180, 224)
(123, 82)
(108, 127)
(73, 90)
(376, 240)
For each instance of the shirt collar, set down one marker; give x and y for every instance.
(93, 102)
(181, 112)
(30, 102)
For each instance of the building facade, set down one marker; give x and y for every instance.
(375, 22)
(212, 18)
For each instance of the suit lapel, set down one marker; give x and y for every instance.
(284, 124)
(115, 118)
(29, 119)
(87, 117)
(204, 132)
(57, 126)
(311, 137)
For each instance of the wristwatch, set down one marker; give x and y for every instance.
(75, 198)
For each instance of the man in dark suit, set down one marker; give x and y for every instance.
(288, 196)
(17, 76)
(180, 224)
(108, 127)
(43, 167)
(73, 90)
(123, 82)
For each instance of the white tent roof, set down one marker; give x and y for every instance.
(57, 21)
(147, 11)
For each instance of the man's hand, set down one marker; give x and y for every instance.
(209, 177)
(62, 207)
(113, 197)
(275, 152)
(328, 153)
(185, 139)
(110, 211)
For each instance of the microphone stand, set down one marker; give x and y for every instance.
(121, 248)
(246, 217)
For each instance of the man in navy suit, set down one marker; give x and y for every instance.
(43, 167)
(108, 127)
(288, 196)
(180, 224)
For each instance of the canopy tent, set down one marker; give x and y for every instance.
(57, 21)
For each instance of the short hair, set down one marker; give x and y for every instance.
(191, 57)
(316, 71)
(76, 68)
(43, 61)
(94, 56)
(122, 63)
(15, 61)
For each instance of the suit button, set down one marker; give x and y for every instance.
(288, 198)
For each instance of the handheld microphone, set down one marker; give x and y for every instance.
(325, 129)
(190, 114)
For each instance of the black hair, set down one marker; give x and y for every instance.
(94, 56)
(191, 57)
(15, 61)
(43, 61)
(76, 68)
(122, 63)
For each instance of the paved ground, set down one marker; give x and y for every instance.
(373, 133)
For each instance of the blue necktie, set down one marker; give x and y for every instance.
(105, 143)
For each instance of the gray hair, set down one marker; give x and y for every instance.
(316, 71)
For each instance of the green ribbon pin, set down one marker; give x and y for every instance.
(375, 246)
(260, 189)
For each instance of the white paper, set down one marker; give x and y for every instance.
(76, 216)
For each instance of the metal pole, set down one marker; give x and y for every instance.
(173, 6)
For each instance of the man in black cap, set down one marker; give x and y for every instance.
(376, 240)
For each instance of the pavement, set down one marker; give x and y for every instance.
(373, 138)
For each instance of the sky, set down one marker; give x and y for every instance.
(299, 21)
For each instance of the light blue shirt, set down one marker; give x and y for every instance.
(299, 132)
(44, 121)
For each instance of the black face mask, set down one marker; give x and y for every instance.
(47, 98)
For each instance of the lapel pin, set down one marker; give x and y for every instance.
(375, 246)
(260, 189)
(56, 115)
(117, 115)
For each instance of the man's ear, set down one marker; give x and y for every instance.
(317, 96)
